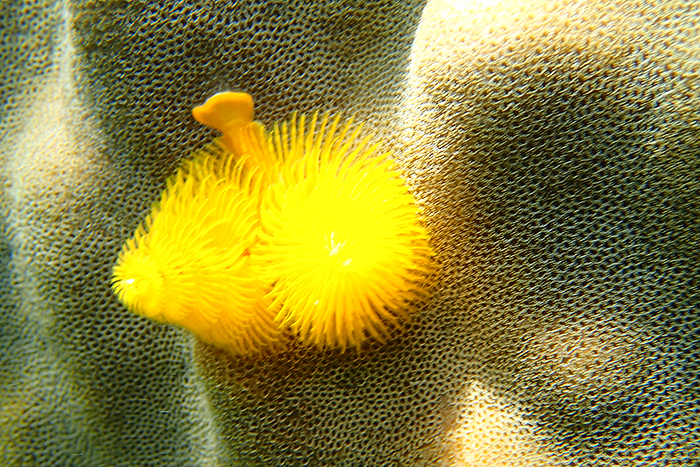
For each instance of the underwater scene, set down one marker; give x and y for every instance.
(399, 233)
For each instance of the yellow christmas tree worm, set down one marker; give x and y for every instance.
(307, 228)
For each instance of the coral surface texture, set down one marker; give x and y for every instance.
(552, 148)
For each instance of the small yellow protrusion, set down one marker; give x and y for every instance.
(227, 112)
